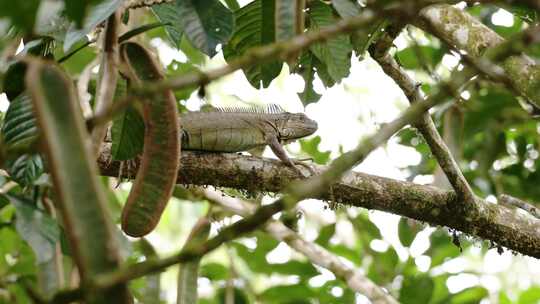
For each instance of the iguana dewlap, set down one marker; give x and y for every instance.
(242, 129)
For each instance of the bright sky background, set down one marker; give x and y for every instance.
(346, 113)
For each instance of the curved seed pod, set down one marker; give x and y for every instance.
(79, 194)
(155, 180)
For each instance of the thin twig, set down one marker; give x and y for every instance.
(508, 200)
(426, 126)
(108, 77)
(315, 253)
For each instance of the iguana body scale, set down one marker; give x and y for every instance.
(242, 129)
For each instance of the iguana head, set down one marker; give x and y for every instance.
(293, 126)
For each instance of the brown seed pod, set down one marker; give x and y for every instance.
(156, 178)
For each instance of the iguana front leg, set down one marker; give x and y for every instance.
(278, 150)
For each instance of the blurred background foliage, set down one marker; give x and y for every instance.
(498, 146)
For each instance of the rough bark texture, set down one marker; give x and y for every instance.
(460, 30)
(496, 223)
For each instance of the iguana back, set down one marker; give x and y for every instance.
(241, 129)
(222, 131)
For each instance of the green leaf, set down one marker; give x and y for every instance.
(362, 40)
(76, 10)
(470, 296)
(531, 295)
(19, 130)
(441, 248)
(503, 298)
(416, 290)
(127, 130)
(306, 67)
(254, 27)
(168, 14)
(26, 169)
(206, 23)
(325, 234)
(366, 228)
(79, 57)
(335, 52)
(232, 5)
(311, 147)
(194, 55)
(36, 227)
(97, 14)
(440, 290)
(177, 68)
(239, 296)
(139, 30)
(297, 293)
(13, 83)
(405, 232)
(21, 13)
(383, 268)
(214, 272)
(415, 56)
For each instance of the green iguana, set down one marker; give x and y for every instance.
(243, 129)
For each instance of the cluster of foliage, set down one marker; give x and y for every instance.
(499, 144)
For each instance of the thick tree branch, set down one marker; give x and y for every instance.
(463, 32)
(379, 52)
(315, 253)
(437, 207)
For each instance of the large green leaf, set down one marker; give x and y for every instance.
(13, 82)
(206, 23)
(36, 227)
(531, 295)
(297, 293)
(76, 10)
(383, 269)
(311, 147)
(325, 234)
(168, 14)
(127, 130)
(232, 5)
(416, 290)
(177, 68)
(97, 14)
(214, 271)
(405, 232)
(21, 13)
(306, 67)
(19, 130)
(254, 27)
(26, 169)
(334, 52)
(418, 56)
(471, 295)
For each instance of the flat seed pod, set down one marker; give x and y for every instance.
(79, 194)
(156, 178)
